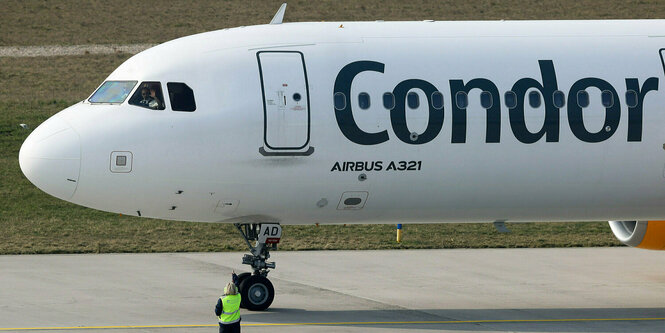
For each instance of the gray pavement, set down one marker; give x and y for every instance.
(70, 50)
(481, 290)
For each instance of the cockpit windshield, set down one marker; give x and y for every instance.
(112, 92)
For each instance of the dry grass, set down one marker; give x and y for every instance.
(70, 78)
(32, 89)
(39, 22)
(109, 233)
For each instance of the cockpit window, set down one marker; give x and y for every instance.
(181, 97)
(148, 95)
(112, 92)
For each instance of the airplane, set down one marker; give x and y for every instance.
(372, 122)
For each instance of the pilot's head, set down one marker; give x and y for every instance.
(145, 92)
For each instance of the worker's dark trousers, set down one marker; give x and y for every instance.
(229, 328)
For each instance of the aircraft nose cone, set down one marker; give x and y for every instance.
(51, 158)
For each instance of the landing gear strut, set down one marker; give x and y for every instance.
(256, 291)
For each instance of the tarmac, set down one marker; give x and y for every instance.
(476, 290)
(70, 50)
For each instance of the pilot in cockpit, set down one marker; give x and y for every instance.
(153, 94)
(147, 98)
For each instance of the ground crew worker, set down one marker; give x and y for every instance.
(228, 308)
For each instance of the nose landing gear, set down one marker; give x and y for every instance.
(256, 291)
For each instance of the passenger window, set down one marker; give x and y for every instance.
(462, 100)
(413, 100)
(559, 99)
(511, 99)
(582, 98)
(631, 98)
(363, 101)
(534, 99)
(112, 92)
(339, 100)
(181, 97)
(437, 100)
(388, 101)
(148, 95)
(486, 99)
(607, 98)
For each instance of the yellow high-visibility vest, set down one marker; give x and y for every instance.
(230, 309)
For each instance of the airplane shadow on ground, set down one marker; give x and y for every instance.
(501, 320)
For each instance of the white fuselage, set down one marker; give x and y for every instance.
(252, 153)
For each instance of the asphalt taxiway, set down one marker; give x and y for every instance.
(479, 290)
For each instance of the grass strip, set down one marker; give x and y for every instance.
(38, 22)
(44, 79)
(112, 233)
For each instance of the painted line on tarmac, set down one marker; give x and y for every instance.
(340, 323)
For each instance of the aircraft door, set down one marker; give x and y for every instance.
(285, 103)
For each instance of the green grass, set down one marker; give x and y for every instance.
(32, 89)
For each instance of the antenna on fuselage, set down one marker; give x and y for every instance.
(279, 16)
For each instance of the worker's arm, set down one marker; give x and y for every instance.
(218, 307)
(234, 278)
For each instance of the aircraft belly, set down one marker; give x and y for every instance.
(475, 186)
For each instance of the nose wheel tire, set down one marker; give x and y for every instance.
(257, 293)
(241, 278)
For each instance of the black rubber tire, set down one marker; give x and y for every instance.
(242, 277)
(257, 293)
